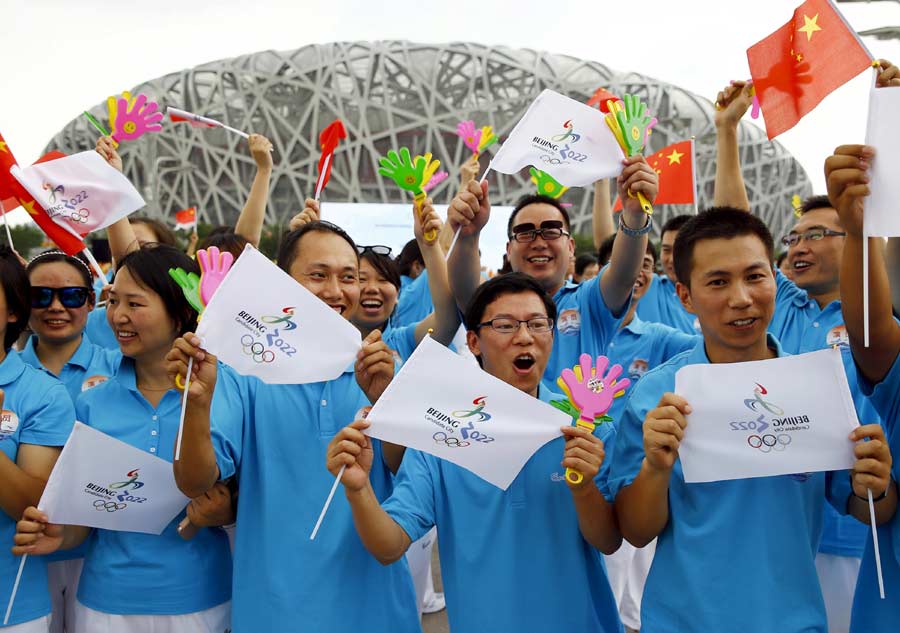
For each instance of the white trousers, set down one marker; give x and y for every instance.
(627, 570)
(215, 620)
(41, 625)
(62, 579)
(418, 557)
(837, 576)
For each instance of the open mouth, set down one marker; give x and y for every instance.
(56, 322)
(541, 259)
(371, 305)
(125, 335)
(523, 363)
(743, 323)
(337, 308)
(801, 265)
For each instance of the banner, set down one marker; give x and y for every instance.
(263, 323)
(101, 482)
(764, 418)
(443, 404)
(567, 139)
(82, 191)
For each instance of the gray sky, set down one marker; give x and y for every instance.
(63, 56)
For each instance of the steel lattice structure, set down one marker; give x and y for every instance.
(392, 94)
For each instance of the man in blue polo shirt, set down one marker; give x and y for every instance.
(716, 540)
(879, 372)
(540, 245)
(524, 559)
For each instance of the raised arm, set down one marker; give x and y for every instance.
(628, 251)
(444, 321)
(468, 172)
(253, 215)
(122, 239)
(731, 104)
(602, 213)
(470, 210)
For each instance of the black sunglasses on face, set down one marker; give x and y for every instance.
(378, 249)
(70, 297)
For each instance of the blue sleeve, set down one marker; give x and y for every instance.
(607, 433)
(786, 290)
(402, 340)
(412, 503)
(648, 308)
(673, 342)
(227, 420)
(838, 489)
(884, 396)
(601, 318)
(50, 419)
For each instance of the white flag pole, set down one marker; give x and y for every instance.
(15, 589)
(320, 184)
(865, 256)
(459, 228)
(6, 226)
(875, 543)
(337, 480)
(184, 397)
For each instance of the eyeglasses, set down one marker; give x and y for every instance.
(550, 230)
(508, 325)
(813, 235)
(378, 249)
(70, 297)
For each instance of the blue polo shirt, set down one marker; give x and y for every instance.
(89, 366)
(801, 326)
(98, 329)
(870, 613)
(641, 346)
(660, 304)
(126, 573)
(511, 560)
(735, 555)
(274, 439)
(401, 340)
(415, 302)
(37, 411)
(584, 325)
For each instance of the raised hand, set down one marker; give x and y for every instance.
(106, 147)
(401, 170)
(470, 136)
(732, 103)
(261, 151)
(592, 392)
(847, 179)
(633, 120)
(546, 184)
(132, 120)
(426, 222)
(204, 371)
(374, 366)
(214, 265)
(352, 449)
(309, 214)
(470, 210)
(190, 287)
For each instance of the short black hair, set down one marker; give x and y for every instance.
(583, 261)
(605, 251)
(410, 254)
(17, 290)
(535, 198)
(815, 202)
(225, 240)
(716, 223)
(150, 265)
(287, 251)
(385, 266)
(675, 223)
(164, 235)
(779, 259)
(54, 256)
(510, 283)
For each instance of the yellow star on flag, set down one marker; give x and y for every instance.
(810, 26)
(3, 147)
(675, 157)
(28, 206)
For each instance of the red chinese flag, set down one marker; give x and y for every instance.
(328, 140)
(803, 62)
(675, 166)
(600, 97)
(10, 187)
(12, 202)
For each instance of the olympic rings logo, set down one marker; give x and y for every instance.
(768, 442)
(452, 442)
(553, 160)
(109, 506)
(256, 350)
(81, 215)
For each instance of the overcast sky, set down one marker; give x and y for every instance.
(63, 56)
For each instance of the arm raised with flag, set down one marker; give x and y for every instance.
(252, 217)
(731, 104)
(444, 321)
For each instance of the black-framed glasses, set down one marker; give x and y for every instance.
(813, 235)
(378, 249)
(70, 296)
(508, 325)
(550, 230)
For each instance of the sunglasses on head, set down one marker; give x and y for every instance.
(378, 249)
(70, 297)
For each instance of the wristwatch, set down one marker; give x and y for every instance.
(635, 233)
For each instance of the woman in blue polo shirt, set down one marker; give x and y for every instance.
(35, 422)
(61, 299)
(139, 583)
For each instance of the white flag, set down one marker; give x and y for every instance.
(101, 482)
(763, 418)
(263, 323)
(82, 191)
(443, 404)
(567, 139)
(881, 218)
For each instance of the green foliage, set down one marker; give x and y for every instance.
(26, 238)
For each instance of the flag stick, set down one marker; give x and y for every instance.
(236, 131)
(15, 589)
(97, 125)
(90, 257)
(459, 228)
(321, 182)
(875, 543)
(184, 397)
(337, 480)
(6, 226)
(865, 256)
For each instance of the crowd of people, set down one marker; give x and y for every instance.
(631, 546)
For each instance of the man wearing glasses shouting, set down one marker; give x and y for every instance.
(540, 245)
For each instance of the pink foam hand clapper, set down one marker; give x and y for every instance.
(755, 107)
(130, 118)
(470, 135)
(214, 265)
(435, 180)
(592, 393)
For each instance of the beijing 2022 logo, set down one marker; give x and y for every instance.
(770, 431)
(455, 421)
(557, 150)
(117, 495)
(263, 345)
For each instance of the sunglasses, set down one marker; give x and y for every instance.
(70, 297)
(378, 249)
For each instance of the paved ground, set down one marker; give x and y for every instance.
(436, 622)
